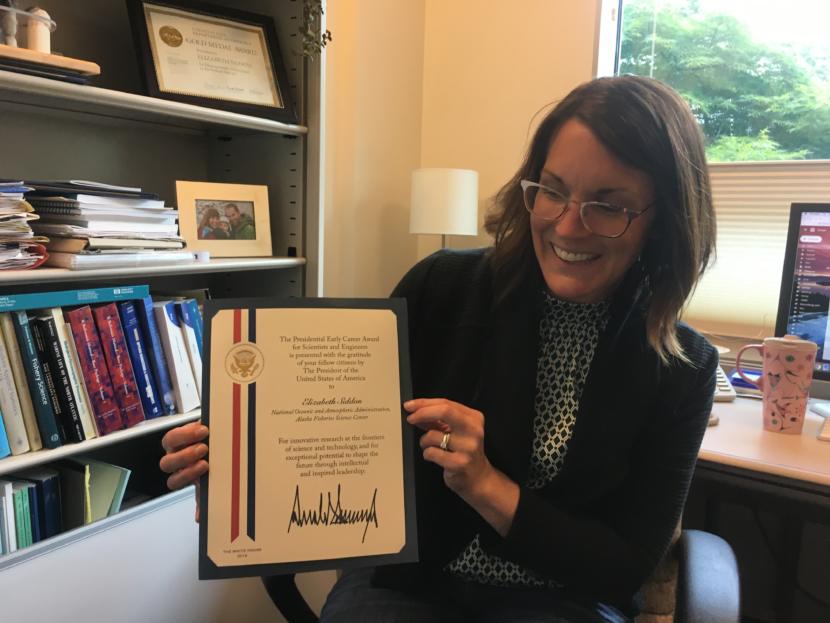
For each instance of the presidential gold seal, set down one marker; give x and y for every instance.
(171, 36)
(244, 362)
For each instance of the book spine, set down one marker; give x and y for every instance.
(47, 423)
(187, 321)
(73, 369)
(51, 506)
(65, 298)
(195, 320)
(10, 405)
(172, 339)
(7, 493)
(23, 525)
(5, 448)
(198, 324)
(96, 376)
(54, 365)
(34, 513)
(4, 535)
(20, 383)
(155, 351)
(47, 208)
(141, 364)
(118, 362)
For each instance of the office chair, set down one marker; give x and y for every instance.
(707, 586)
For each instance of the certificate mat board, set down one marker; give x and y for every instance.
(311, 458)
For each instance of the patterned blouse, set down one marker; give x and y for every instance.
(568, 338)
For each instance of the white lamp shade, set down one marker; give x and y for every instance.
(444, 201)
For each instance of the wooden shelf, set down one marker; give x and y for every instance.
(55, 275)
(54, 94)
(30, 459)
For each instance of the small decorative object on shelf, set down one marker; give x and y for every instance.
(228, 220)
(212, 56)
(25, 46)
(39, 31)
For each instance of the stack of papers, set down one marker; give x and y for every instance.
(19, 247)
(96, 225)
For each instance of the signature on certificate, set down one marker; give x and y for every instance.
(334, 514)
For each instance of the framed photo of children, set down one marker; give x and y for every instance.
(228, 220)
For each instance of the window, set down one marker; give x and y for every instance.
(756, 74)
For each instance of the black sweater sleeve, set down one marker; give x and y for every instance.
(608, 553)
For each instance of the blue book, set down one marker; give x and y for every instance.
(155, 353)
(150, 398)
(66, 298)
(34, 513)
(187, 316)
(47, 489)
(5, 449)
(193, 318)
(41, 399)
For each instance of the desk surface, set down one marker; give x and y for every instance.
(740, 440)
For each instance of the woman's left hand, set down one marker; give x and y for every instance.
(467, 471)
(464, 462)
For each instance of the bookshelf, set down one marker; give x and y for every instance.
(110, 131)
(86, 99)
(61, 276)
(31, 459)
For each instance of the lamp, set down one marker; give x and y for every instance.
(444, 201)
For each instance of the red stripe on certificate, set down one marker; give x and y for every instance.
(237, 425)
(237, 396)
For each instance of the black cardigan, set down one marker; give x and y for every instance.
(601, 526)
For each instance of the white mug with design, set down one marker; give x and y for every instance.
(785, 381)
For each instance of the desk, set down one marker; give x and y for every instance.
(740, 441)
(785, 475)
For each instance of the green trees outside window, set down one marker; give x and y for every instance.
(755, 99)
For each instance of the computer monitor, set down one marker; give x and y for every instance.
(804, 301)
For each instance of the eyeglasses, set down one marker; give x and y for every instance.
(600, 218)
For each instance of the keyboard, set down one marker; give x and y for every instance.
(724, 392)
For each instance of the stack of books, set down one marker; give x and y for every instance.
(19, 247)
(80, 364)
(39, 503)
(94, 225)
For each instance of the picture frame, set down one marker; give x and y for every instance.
(211, 56)
(227, 220)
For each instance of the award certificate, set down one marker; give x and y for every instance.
(212, 57)
(310, 453)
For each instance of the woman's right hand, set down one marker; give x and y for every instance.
(185, 456)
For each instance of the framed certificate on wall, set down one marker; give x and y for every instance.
(311, 457)
(211, 56)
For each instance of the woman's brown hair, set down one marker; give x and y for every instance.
(649, 127)
(206, 216)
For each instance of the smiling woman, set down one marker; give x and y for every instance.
(578, 262)
(558, 402)
(634, 144)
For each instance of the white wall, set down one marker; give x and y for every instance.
(489, 68)
(415, 83)
(373, 135)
